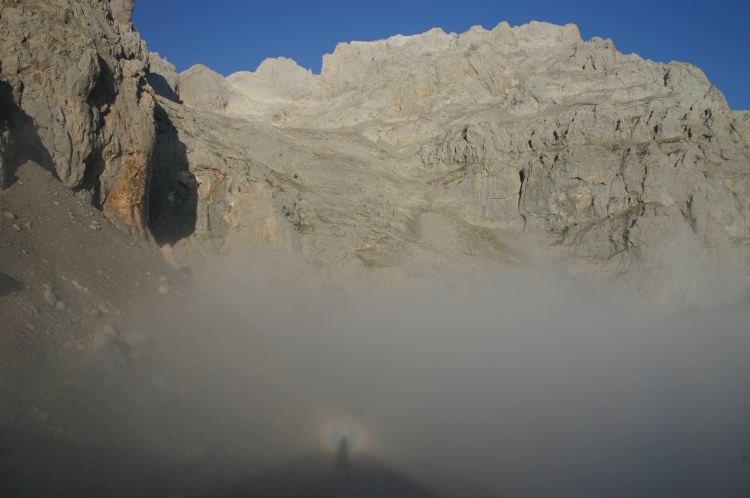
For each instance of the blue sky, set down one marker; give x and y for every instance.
(233, 35)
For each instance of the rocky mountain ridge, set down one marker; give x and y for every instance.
(628, 169)
(402, 155)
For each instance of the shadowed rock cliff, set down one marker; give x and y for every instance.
(78, 100)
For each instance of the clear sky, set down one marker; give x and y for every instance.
(233, 35)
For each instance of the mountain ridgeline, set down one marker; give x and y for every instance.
(487, 147)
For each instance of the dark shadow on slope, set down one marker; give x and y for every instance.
(36, 465)
(9, 285)
(161, 87)
(318, 478)
(26, 145)
(173, 196)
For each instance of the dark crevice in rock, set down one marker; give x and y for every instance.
(102, 97)
(522, 177)
(689, 215)
(92, 177)
(104, 92)
(173, 195)
(636, 213)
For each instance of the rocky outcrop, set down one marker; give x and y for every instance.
(212, 187)
(78, 106)
(204, 88)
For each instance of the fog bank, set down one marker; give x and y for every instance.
(504, 382)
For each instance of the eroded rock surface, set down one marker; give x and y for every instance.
(73, 81)
(456, 145)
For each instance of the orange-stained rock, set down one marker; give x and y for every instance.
(72, 89)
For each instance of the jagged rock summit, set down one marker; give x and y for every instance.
(401, 156)
(445, 147)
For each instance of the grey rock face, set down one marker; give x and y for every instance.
(454, 145)
(204, 88)
(210, 186)
(73, 80)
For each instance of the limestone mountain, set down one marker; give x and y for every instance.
(403, 154)
(442, 147)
